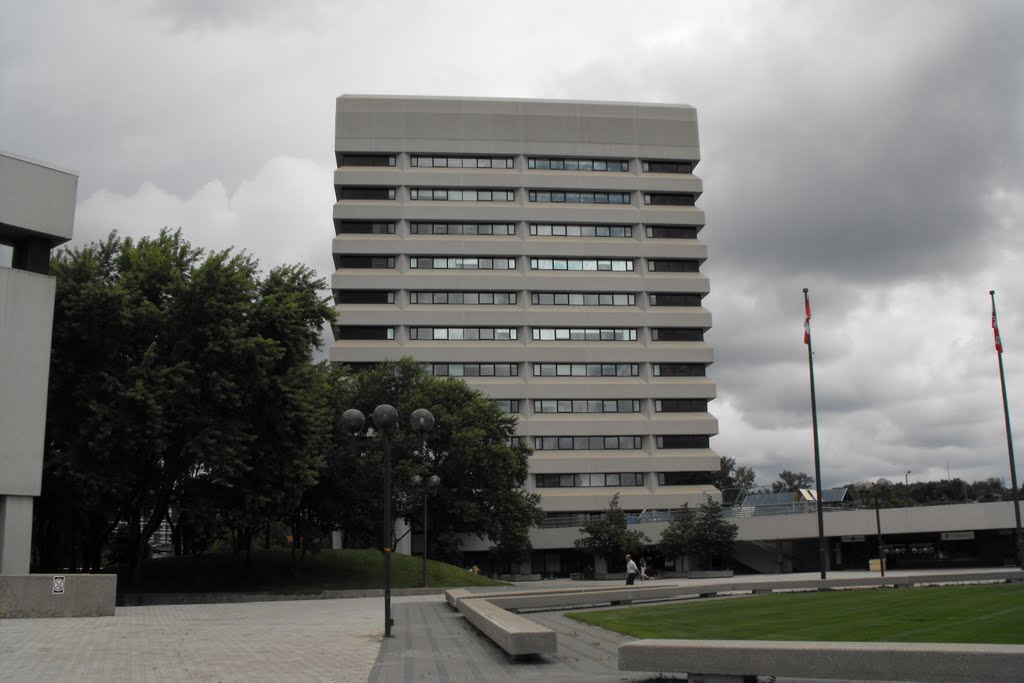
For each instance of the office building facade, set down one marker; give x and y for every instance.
(548, 253)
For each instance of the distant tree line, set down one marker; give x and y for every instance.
(737, 482)
(183, 390)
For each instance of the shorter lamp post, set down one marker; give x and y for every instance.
(429, 486)
(878, 525)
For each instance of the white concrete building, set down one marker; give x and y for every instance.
(37, 211)
(548, 253)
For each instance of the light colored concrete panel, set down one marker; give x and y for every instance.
(15, 534)
(26, 326)
(37, 197)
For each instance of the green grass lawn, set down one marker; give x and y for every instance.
(273, 571)
(941, 614)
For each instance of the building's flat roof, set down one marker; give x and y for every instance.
(511, 100)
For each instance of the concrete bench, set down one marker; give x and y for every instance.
(514, 634)
(733, 661)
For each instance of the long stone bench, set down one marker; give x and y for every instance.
(733, 661)
(515, 634)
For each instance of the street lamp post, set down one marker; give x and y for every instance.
(385, 420)
(429, 486)
(906, 478)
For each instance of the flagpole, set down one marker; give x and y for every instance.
(1018, 539)
(822, 552)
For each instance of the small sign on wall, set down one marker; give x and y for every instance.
(58, 585)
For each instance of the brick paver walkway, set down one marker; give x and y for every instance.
(311, 640)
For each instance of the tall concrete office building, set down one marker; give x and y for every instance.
(548, 253)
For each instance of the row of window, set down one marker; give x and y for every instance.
(591, 479)
(343, 227)
(586, 406)
(505, 162)
(581, 264)
(459, 194)
(365, 261)
(421, 161)
(674, 405)
(420, 297)
(561, 164)
(618, 443)
(616, 334)
(571, 197)
(500, 229)
(464, 333)
(473, 370)
(584, 334)
(461, 263)
(582, 299)
(577, 230)
(449, 194)
(564, 370)
(587, 443)
(667, 405)
(465, 298)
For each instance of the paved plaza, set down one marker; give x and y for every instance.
(306, 640)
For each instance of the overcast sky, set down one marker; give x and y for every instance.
(870, 151)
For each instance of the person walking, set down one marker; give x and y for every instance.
(631, 570)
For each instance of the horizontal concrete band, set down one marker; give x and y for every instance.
(49, 595)
(722, 659)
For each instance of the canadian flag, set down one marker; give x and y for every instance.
(807, 322)
(995, 331)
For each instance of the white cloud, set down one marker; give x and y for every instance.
(281, 215)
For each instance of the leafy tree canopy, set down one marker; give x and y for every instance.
(734, 482)
(609, 534)
(175, 373)
(791, 481)
(704, 533)
(470, 447)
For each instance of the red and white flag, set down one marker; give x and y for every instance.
(995, 329)
(807, 321)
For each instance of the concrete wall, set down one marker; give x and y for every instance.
(35, 595)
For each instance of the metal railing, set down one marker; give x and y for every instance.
(649, 516)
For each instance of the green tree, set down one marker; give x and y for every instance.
(712, 535)
(791, 481)
(609, 535)
(734, 482)
(176, 374)
(677, 538)
(471, 448)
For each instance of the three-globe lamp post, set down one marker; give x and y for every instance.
(385, 421)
